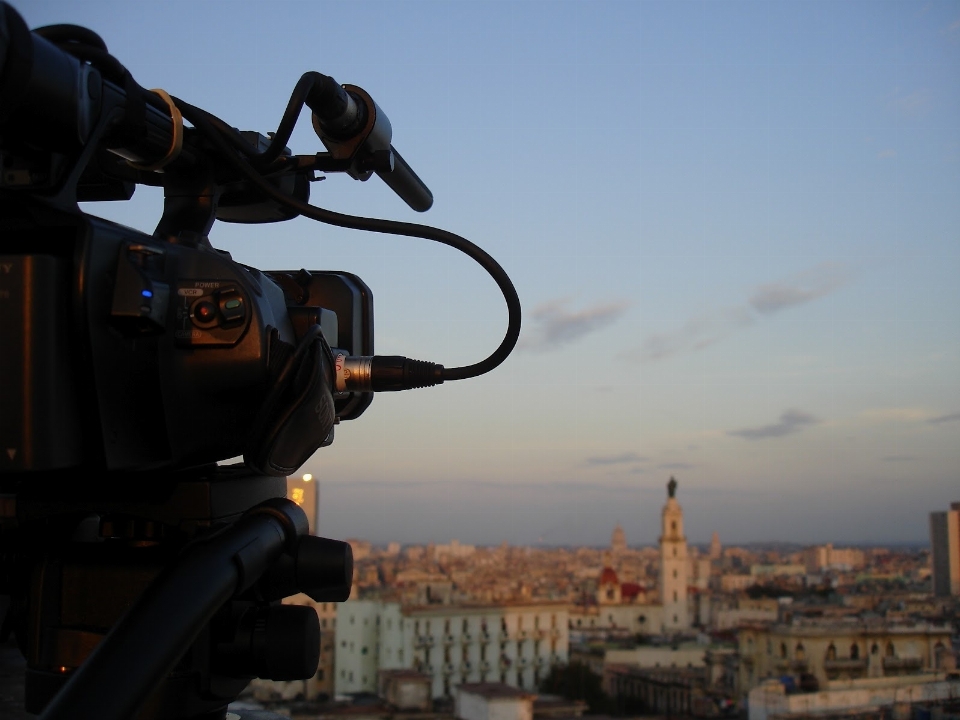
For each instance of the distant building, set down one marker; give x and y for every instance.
(826, 557)
(453, 550)
(831, 651)
(513, 644)
(608, 589)
(674, 564)
(492, 701)
(716, 551)
(618, 541)
(884, 698)
(945, 551)
(405, 690)
(303, 491)
(625, 608)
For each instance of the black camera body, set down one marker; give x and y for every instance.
(125, 352)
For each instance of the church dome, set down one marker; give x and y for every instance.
(609, 577)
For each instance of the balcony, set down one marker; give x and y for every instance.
(540, 661)
(504, 636)
(898, 664)
(466, 667)
(505, 663)
(523, 663)
(538, 634)
(449, 639)
(449, 669)
(790, 665)
(484, 666)
(845, 665)
(466, 639)
(522, 635)
(555, 633)
(484, 636)
(425, 641)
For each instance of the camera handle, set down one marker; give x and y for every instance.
(161, 626)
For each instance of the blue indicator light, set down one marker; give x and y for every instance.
(146, 293)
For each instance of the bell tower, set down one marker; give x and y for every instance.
(674, 564)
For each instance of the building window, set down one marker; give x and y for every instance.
(832, 652)
(674, 573)
(673, 525)
(854, 652)
(890, 651)
(675, 596)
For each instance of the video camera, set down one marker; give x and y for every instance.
(144, 575)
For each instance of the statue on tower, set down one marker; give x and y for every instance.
(672, 487)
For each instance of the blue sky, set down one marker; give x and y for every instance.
(734, 228)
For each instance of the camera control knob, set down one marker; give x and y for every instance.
(232, 307)
(205, 312)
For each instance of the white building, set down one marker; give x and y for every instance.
(515, 644)
(490, 701)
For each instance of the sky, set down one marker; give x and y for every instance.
(734, 228)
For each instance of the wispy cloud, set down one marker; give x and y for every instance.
(911, 104)
(791, 421)
(626, 458)
(554, 326)
(810, 285)
(952, 417)
(953, 31)
(888, 153)
(695, 334)
(705, 330)
(896, 414)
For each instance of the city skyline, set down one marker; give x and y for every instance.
(733, 227)
(394, 513)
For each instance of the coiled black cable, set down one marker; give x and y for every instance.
(203, 121)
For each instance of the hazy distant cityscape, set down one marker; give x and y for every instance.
(762, 631)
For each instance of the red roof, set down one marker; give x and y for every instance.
(609, 576)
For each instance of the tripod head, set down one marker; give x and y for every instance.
(146, 576)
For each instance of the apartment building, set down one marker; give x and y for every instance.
(514, 644)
